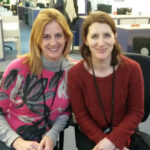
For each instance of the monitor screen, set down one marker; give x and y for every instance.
(104, 7)
(124, 11)
(40, 5)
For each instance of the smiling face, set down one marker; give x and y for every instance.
(100, 39)
(53, 41)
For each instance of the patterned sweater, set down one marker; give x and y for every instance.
(22, 101)
(128, 101)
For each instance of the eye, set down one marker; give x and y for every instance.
(59, 35)
(46, 36)
(94, 36)
(107, 35)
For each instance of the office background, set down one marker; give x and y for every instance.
(25, 29)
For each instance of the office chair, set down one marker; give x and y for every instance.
(1, 74)
(141, 44)
(11, 31)
(144, 62)
(8, 47)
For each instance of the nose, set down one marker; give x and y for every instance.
(52, 41)
(100, 41)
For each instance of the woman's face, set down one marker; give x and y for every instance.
(53, 41)
(100, 39)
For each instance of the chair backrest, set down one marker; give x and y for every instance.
(1, 41)
(6, 13)
(1, 74)
(11, 30)
(141, 44)
(144, 62)
(11, 26)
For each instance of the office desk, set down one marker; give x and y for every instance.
(1, 42)
(131, 19)
(125, 34)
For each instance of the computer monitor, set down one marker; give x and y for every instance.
(104, 7)
(124, 11)
(40, 5)
(27, 4)
(141, 44)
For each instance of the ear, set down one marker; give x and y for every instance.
(66, 39)
(115, 36)
(85, 42)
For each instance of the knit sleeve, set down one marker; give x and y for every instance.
(79, 108)
(134, 109)
(57, 127)
(7, 83)
(7, 134)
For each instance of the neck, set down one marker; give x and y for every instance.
(53, 66)
(100, 65)
(102, 68)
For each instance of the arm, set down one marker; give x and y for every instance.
(134, 108)
(7, 134)
(76, 93)
(50, 138)
(57, 127)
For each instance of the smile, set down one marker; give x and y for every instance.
(52, 49)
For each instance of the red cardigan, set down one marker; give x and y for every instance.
(128, 101)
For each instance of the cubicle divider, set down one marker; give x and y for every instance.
(27, 14)
(1, 41)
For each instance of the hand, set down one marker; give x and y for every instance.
(46, 144)
(104, 144)
(21, 144)
(124, 148)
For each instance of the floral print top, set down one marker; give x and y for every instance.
(22, 97)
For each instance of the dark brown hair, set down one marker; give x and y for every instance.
(101, 17)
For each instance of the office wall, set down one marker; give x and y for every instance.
(141, 7)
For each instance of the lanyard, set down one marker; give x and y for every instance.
(46, 113)
(99, 97)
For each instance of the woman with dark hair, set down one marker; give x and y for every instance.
(34, 100)
(106, 88)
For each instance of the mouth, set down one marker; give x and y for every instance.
(53, 49)
(102, 50)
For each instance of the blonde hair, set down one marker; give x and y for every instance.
(33, 57)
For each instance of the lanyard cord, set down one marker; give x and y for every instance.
(46, 114)
(99, 98)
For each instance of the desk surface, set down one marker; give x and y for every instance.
(134, 27)
(10, 26)
(129, 16)
(123, 16)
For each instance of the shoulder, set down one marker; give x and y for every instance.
(77, 68)
(17, 64)
(66, 63)
(129, 65)
(128, 62)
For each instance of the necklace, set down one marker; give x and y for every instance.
(109, 129)
(46, 113)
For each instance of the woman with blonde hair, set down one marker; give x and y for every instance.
(33, 96)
